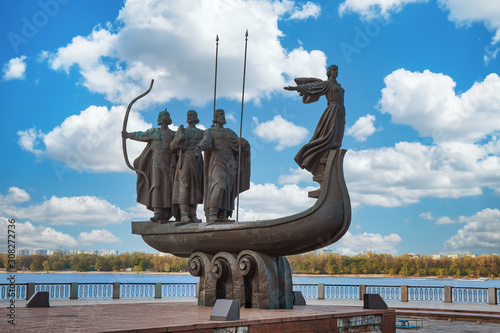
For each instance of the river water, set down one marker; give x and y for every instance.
(186, 278)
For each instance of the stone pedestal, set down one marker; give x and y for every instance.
(256, 279)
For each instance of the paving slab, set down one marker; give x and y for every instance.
(129, 314)
(161, 317)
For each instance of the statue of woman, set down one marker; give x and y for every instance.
(330, 129)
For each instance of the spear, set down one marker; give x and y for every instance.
(241, 125)
(215, 83)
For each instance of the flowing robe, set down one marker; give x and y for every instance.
(330, 129)
(188, 182)
(157, 161)
(221, 168)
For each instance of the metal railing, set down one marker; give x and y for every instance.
(341, 292)
(137, 290)
(57, 291)
(178, 290)
(469, 295)
(307, 290)
(425, 294)
(388, 293)
(95, 290)
(12, 291)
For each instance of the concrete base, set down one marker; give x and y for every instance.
(188, 317)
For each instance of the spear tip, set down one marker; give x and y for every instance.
(217, 38)
(246, 33)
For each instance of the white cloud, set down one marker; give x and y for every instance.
(99, 43)
(279, 130)
(89, 141)
(29, 139)
(82, 210)
(464, 159)
(486, 12)
(427, 102)
(445, 220)
(31, 236)
(97, 236)
(351, 244)
(426, 216)
(310, 9)
(118, 61)
(370, 9)
(15, 69)
(491, 54)
(37, 237)
(362, 128)
(15, 195)
(285, 200)
(296, 176)
(481, 232)
(408, 172)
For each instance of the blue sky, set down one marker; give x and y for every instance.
(422, 102)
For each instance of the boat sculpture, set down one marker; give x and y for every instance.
(246, 260)
(316, 227)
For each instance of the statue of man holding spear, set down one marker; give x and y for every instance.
(222, 146)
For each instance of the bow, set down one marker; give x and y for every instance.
(125, 120)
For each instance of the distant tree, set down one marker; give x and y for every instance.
(137, 269)
(46, 266)
(143, 264)
(36, 265)
(102, 264)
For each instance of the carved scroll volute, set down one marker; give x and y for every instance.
(247, 265)
(199, 264)
(259, 268)
(229, 281)
(220, 269)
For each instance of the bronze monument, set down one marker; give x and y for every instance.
(188, 181)
(221, 146)
(246, 260)
(154, 183)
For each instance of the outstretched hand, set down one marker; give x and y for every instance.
(124, 134)
(290, 88)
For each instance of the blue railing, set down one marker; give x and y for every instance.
(470, 295)
(58, 291)
(137, 290)
(307, 290)
(425, 294)
(341, 292)
(178, 290)
(388, 293)
(12, 291)
(95, 290)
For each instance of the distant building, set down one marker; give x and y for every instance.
(452, 256)
(436, 256)
(413, 255)
(23, 252)
(324, 250)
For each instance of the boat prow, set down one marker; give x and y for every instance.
(318, 226)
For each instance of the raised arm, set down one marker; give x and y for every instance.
(145, 136)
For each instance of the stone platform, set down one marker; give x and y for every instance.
(188, 317)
